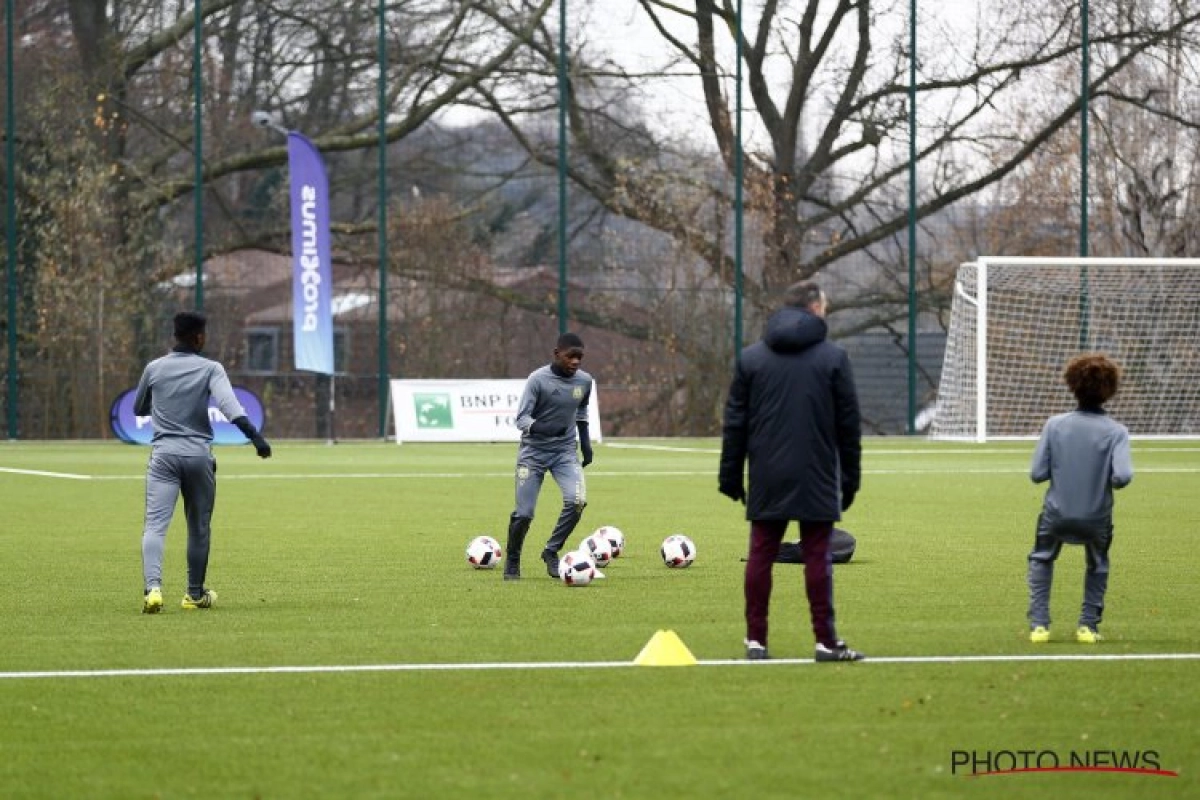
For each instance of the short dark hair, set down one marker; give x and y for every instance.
(567, 341)
(802, 295)
(189, 323)
(1093, 378)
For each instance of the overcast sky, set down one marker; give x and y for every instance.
(622, 28)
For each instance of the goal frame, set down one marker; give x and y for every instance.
(980, 303)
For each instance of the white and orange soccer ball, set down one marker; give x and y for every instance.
(484, 552)
(616, 539)
(678, 551)
(577, 568)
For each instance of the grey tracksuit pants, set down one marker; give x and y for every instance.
(563, 466)
(167, 477)
(1052, 534)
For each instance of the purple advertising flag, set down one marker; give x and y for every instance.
(312, 280)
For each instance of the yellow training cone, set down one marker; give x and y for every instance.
(665, 649)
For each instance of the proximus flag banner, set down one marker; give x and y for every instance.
(312, 280)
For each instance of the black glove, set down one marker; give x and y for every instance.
(585, 443)
(250, 432)
(543, 428)
(848, 493)
(261, 446)
(734, 491)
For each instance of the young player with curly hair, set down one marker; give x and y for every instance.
(1085, 456)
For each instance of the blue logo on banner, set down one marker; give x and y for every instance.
(132, 429)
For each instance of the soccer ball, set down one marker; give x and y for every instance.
(577, 568)
(616, 539)
(599, 548)
(678, 551)
(483, 552)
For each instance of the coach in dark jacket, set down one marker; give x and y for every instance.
(792, 411)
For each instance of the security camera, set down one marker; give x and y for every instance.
(263, 119)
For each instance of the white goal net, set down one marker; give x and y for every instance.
(1016, 321)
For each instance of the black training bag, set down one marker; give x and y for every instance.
(841, 544)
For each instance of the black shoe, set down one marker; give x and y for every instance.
(839, 652)
(552, 566)
(512, 568)
(517, 528)
(756, 651)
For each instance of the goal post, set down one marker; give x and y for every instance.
(1016, 320)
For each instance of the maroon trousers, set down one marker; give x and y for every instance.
(765, 538)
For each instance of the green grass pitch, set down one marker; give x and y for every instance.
(352, 555)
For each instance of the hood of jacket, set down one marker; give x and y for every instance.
(791, 330)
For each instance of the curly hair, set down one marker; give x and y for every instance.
(1093, 378)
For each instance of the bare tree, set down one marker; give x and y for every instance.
(1142, 156)
(826, 146)
(826, 154)
(109, 113)
(829, 93)
(1146, 158)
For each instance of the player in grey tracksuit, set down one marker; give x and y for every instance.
(1085, 455)
(552, 413)
(174, 390)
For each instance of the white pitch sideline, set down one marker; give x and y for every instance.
(44, 474)
(534, 665)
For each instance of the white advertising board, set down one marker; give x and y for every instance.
(465, 410)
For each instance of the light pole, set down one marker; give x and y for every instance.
(384, 377)
(1084, 102)
(562, 166)
(738, 196)
(912, 219)
(198, 147)
(10, 219)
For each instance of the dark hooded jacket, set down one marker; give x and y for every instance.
(793, 412)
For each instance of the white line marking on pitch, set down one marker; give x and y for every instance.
(416, 475)
(329, 476)
(981, 451)
(43, 474)
(661, 448)
(347, 668)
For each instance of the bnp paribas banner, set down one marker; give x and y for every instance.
(465, 410)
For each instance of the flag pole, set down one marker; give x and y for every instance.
(312, 261)
(332, 408)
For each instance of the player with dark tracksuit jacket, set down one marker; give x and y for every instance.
(792, 422)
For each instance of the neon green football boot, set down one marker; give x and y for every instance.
(152, 601)
(206, 600)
